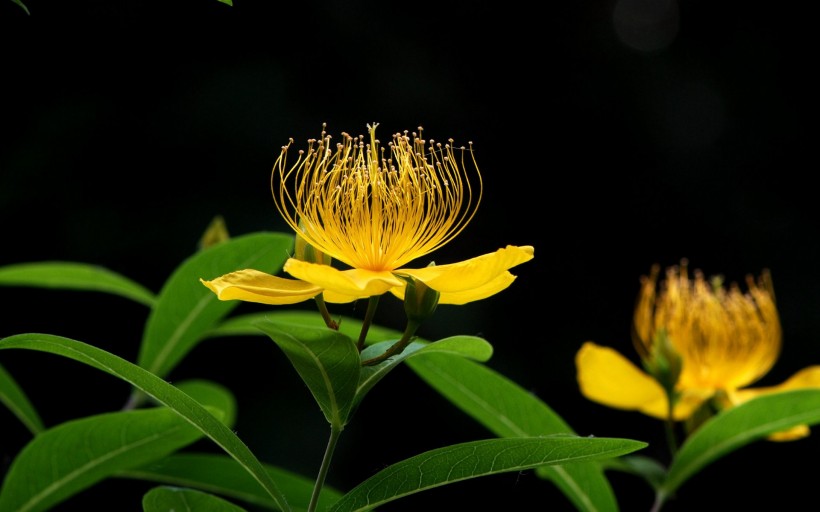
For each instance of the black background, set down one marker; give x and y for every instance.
(606, 140)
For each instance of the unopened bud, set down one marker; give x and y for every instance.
(420, 300)
(664, 363)
(215, 233)
(303, 251)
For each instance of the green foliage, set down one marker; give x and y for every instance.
(23, 6)
(463, 346)
(106, 443)
(248, 325)
(510, 411)
(158, 389)
(74, 276)
(149, 439)
(327, 361)
(175, 499)
(13, 397)
(460, 462)
(739, 426)
(186, 309)
(223, 475)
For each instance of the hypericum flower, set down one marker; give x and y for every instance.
(376, 210)
(723, 340)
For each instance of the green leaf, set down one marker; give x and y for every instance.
(465, 346)
(229, 2)
(222, 475)
(475, 459)
(739, 426)
(74, 276)
(175, 499)
(186, 309)
(158, 389)
(246, 325)
(213, 395)
(18, 403)
(20, 3)
(328, 363)
(510, 411)
(652, 471)
(75, 455)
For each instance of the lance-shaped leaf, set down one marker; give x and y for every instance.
(328, 363)
(75, 455)
(186, 309)
(652, 471)
(247, 325)
(510, 411)
(475, 459)
(739, 426)
(18, 403)
(159, 390)
(68, 275)
(175, 499)
(222, 475)
(215, 396)
(470, 347)
(22, 5)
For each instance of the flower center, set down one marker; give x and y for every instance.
(726, 339)
(372, 208)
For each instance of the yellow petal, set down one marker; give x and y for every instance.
(255, 286)
(356, 283)
(607, 377)
(808, 377)
(798, 432)
(458, 298)
(338, 298)
(482, 292)
(474, 273)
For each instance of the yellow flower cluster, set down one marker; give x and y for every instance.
(721, 341)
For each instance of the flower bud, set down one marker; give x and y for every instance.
(215, 233)
(303, 251)
(420, 300)
(663, 362)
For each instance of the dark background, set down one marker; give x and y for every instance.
(611, 135)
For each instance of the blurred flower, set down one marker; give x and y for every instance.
(700, 341)
(375, 210)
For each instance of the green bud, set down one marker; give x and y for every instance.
(305, 252)
(664, 362)
(420, 300)
(215, 233)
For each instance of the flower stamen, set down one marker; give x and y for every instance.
(375, 209)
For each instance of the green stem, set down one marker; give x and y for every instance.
(670, 425)
(329, 321)
(372, 304)
(660, 499)
(396, 348)
(335, 433)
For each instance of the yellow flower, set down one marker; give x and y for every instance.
(376, 209)
(725, 341)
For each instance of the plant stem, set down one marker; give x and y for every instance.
(396, 348)
(372, 304)
(660, 499)
(670, 426)
(335, 433)
(330, 322)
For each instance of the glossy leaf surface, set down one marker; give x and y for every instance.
(164, 393)
(474, 459)
(510, 411)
